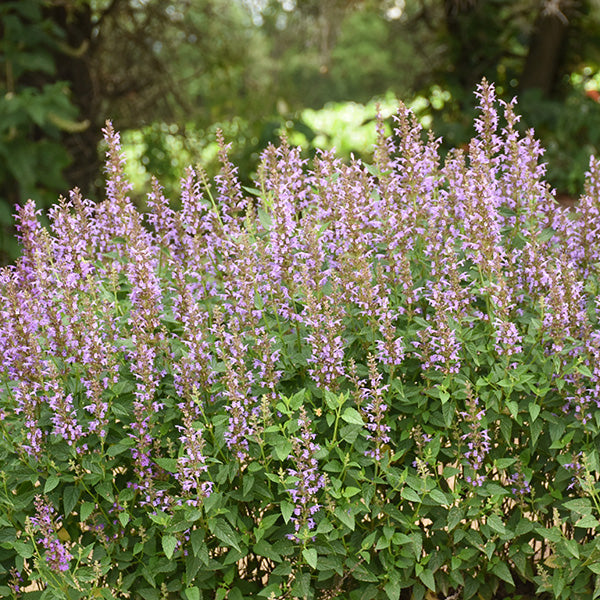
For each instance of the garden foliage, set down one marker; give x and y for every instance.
(352, 381)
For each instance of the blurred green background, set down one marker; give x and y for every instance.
(169, 72)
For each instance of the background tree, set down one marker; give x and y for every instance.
(166, 72)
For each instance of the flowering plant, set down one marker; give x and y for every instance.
(350, 381)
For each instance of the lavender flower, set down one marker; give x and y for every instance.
(241, 406)
(192, 464)
(477, 439)
(46, 524)
(376, 411)
(308, 479)
(326, 360)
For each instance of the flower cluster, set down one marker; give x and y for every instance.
(154, 366)
(308, 480)
(477, 439)
(46, 525)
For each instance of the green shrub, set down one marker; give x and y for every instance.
(357, 382)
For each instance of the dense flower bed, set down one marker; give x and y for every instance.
(352, 381)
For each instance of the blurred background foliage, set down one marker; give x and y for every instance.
(168, 73)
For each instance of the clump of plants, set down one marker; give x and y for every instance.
(355, 381)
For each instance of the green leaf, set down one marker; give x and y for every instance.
(587, 522)
(287, 509)
(283, 448)
(426, 576)
(105, 489)
(192, 593)
(223, 532)
(301, 587)
(333, 401)
(534, 410)
(438, 497)
(501, 570)
(579, 505)
(51, 483)
(455, 516)
(169, 543)
(23, 549)
(495, 522)
(168, 464)
(417, 542)
(310, 556)
(324, 526)
(258, 301)
(265, 549)
(392, 589)
(116, 449)
(124, 518)
(503, 463)
(70, 496)
(87, 508)
(351, 491)
(513, 407)
(352, 416)
(572, 546)
(410, 495)
(346, 517)
(265, 219)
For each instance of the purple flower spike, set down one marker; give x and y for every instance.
(308, 479)
(45, 523)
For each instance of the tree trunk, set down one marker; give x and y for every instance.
(546, 51)
(74, 65)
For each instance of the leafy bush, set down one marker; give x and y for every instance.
(35, 111)
(358, 382)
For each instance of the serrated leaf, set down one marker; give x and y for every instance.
(223, 532)
(51, 483)
(495, 522)
(283, 448)
(534, 411)
(168, 464)
(495, 490)
(287, 509)
(513, 407)
(579, 505)
(503, 463)
(70, 497)
(410, 495)
(265, 218)
(417, 542)
(572, 546)
(346, 517)
(351, 491)
(310, 556)
(455, 516)
(587, 522)
(501, 570)
(86, 510)
(192, 593)
(324, 526)
(594, 568)
(426, 576)
(23, 549)
(438, 497)
(332, 400)
(392, 589)
(169, 543)
(263, 548)
(117, 449)
(124, 518)
(352, 416)
(301, 588)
